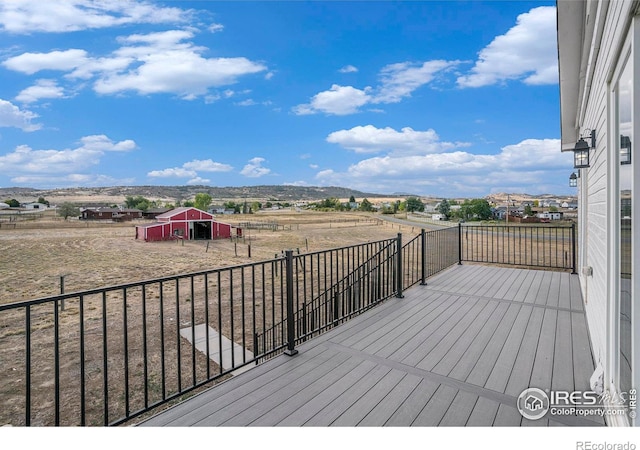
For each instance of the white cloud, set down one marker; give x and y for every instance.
(397, 81)
(207, 165)
(27, 16)
(369, 139)
(169, 65)
(339, 101)
(254, 168)
(529, 165)
(177, 172)
(348, 69)
(60, 163)
(74, 179)
(42, 89)
(215, 28)
(198, 180)
(401, 79)
(101, 143)
(161, 62)
(31, 63)
(12, 116)
(527, 52)
(247, 102)
(191, 169)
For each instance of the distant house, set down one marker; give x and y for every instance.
(111, 214)
(152, 213)
(500, 213)
(186, 223)
(220, 210)
(4, 206)
(34, 205)
(429, 208)
(551, 215)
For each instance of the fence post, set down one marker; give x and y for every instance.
(423, 236)
(399, 272)
(459, 243)
(573, 249)
(291, 324)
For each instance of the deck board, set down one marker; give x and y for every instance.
(460, 410)
(436, 408)
(456, 352)
(501, 369)
(523, 365)
(412, 406)
(543, 364)
(484, 413)
(391, 343)
(473, 354)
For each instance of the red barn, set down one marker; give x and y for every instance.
(185, 223)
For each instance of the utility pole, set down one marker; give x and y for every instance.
(508, 201)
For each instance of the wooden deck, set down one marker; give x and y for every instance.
(457, 352)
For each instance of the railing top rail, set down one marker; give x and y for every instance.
(520, 225)
(318, 252)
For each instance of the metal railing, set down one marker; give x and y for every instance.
(384, 272)
(108, 355)
(539, 246)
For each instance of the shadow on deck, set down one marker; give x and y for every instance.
(457, 352)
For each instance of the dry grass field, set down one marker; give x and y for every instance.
(35, 256)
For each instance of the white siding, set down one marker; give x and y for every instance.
(596, 182)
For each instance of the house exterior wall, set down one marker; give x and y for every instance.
(606, 27)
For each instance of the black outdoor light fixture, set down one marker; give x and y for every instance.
(573, 180)
(581, 150)
(625, 150)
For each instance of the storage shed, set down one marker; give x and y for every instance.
(186, 223)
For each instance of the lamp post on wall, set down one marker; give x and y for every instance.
(573, 180)
(581, 150)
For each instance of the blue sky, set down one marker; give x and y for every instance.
(432, 98)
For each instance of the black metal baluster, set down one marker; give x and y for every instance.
(105, 356)
(83, 400)
(27, 369)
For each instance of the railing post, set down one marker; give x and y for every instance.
(399, 271)
(459, 243)
(423, 268)
(291, 324)
(573, 249)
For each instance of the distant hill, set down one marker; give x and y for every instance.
(173, 193)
